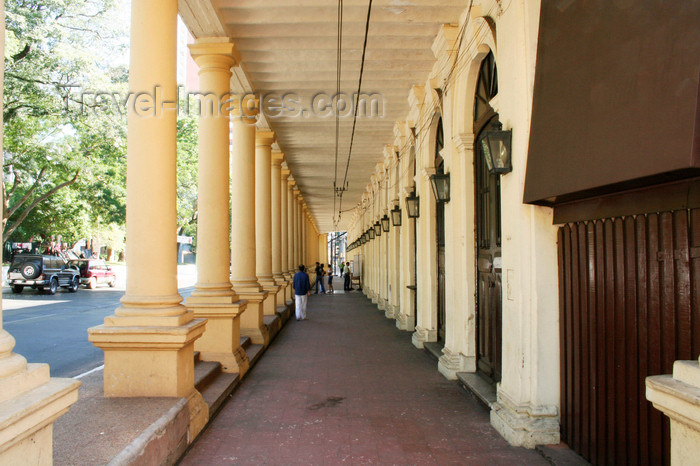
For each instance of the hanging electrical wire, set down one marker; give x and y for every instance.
(339, 63)
(357, 102)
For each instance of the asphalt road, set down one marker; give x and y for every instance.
(53, 329)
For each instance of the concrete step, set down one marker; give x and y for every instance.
(245, 342)
(273, 324)
(434, 348)
(481, 389)
(254, 352)
(218, 389)
(561, 455)
(204, 373)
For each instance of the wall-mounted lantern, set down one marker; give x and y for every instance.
(371, 233)
(413, 205)
(496, 145)
(377, 228)
(396, 216)
(385, 223)
(441, 186)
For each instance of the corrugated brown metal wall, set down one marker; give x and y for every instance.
(629, 307)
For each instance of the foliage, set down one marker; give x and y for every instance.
(64, 158)
(187, 155)
(64, 167)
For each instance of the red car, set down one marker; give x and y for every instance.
(95, 272)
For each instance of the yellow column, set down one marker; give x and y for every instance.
(243, 241)
(291, 228)
(263, 218)
(284, 235)
(149, 341)
(304, 236)
(213, 297)
(297, 228)
(276, 190)
(31, 401)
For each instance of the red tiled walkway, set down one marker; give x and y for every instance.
(347, 387)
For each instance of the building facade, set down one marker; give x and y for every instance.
(526, 206)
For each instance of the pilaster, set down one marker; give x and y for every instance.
(422, 335)
(524, 425)
(452, 362)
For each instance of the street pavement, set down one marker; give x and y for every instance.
(53, 329)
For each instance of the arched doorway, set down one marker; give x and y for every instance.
(440, 235)
(488, 231)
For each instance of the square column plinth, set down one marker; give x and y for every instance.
(270, 302)
(30, 402)
(222, 340)
(148, 360)
(678, 397)
(252, 322)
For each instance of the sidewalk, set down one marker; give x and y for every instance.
(347, 387)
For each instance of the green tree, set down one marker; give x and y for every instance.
(64, 165)
(187, 155)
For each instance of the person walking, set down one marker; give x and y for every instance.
(302, 289)
(319, 278)
(347, 285)
(330, 279)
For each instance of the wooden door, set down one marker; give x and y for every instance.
(629, 292)
(440, 235)
(488, 299)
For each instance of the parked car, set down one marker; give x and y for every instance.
(94, 272)
(42, 272)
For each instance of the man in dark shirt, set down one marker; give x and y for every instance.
(302, 288)
(319, 278)
(347, 285)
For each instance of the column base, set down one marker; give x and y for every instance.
(382, 304)
(405, 322)
(221, 342)
(678, 397)
(270, 303)
(421, 335)
(401, 321)
(289, 293)
(30, 402)
(199, 414)
(391, 311)
(282, 294)
(522, 426)
(252, 324)
(148, 360)
(452, 362)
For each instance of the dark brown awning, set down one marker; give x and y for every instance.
(616, 98)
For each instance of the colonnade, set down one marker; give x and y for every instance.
(244, 267)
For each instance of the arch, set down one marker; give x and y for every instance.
(485, 39)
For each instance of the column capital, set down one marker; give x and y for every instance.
(264, 137)
(214, 52)
(245, 109)
(277, 158)
(286, 174)
(291, 182)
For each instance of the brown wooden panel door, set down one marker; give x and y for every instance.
(488, 299)
(629, 307)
